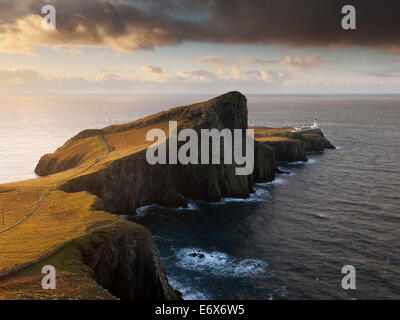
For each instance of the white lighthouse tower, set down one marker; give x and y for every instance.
(315, 125)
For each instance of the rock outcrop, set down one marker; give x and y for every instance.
(123, 257)
(288, 150)
(126, 181)
(130, 182)
(314, 140)
(265, 163)
(125, 260)
(292, 146)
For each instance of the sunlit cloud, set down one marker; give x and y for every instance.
(213, 61)
(296, 64)
(126, 26)
(196, 75)
(20, 75)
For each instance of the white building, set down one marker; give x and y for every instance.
(303, 127)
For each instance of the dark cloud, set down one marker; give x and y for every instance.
(144, 24)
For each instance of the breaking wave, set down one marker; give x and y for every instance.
(276, 181)
(220, 264)
(188, 292)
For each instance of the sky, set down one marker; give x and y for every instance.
(192, 46)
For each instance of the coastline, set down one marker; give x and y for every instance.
(123, 156)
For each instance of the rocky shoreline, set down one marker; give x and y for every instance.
(123, 258)
(292, 147)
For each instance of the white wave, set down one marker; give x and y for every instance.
(321, 216)
(276, 181)
(141, 212)
(259, 195)
(191, 206)
(188, 293)
(220, 264)
(288, 172)
(298, 163)
(294, 163)
(228, 200)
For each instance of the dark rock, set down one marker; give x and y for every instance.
(279, 171)
(289, 150)
(129, 183)
(125, 261)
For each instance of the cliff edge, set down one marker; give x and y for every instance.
(292, 146)
(126, 181)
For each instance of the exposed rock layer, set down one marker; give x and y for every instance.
(289, 150)
(130, 182)
(292, 147)
(125, 261)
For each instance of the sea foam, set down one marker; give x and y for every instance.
(220, 264)
(188, 292)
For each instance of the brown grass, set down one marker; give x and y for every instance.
(62, 217)
(269, 138)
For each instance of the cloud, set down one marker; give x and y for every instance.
(219, 62)
(19, 75)
(275, 76)
(237, 73)
(26, 80)
(128, 25)
(153, 70)
(301, 64)
(114, 74)
(154, 73)
(196, 75)
(289, 63)
(253, 61)
(213, 61)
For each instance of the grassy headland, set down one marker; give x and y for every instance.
(101, 171)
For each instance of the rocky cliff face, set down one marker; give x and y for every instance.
(129, 183)
(265, 168)
(289, 150)
(292, 147)
(125, 260)
(314, 140)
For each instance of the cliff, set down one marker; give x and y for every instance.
(127, 181)
(292, 147)
(97, 255)
(125, 261)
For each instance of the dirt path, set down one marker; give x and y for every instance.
(37, 204)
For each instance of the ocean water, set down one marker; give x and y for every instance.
(292, 237)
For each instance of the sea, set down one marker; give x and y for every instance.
(293, 236)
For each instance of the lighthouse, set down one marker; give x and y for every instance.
(315, 126)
